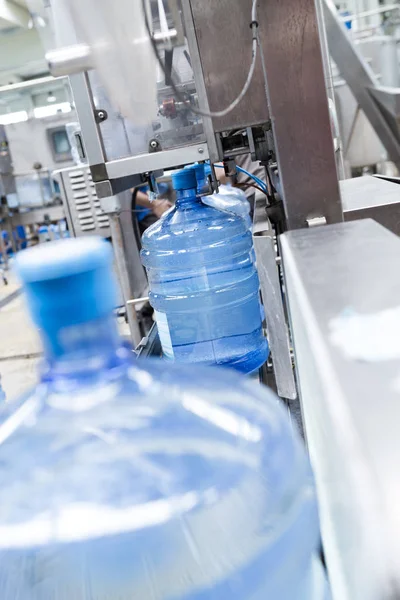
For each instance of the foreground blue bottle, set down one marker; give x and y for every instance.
(124, 480)
(203, 283)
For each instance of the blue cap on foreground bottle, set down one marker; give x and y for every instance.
(67, 283)
(151, 480)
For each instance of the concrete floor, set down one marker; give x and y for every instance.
(20, 347)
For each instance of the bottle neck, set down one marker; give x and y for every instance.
(186, 198)
(82, 350)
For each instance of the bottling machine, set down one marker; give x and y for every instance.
(215, 80)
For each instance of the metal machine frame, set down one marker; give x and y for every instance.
(328, 269)
(295, 78)
(295, 87)
(290, 130)
(114, 176)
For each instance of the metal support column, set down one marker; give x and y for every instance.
(85, 108)
(123, 275)
(199, 77)
(3, 251)
(268, 271)
(299, 111)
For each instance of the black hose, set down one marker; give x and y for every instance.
(135, 224)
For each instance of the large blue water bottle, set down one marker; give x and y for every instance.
(124, 479)
(203, 284)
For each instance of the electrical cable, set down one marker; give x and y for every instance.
(135, 224)
(247, 185)
(181, 97)
(271, 185)
(254, 177)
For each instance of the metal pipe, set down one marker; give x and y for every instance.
(118, 245)
(77, 58)
(70, 60)
(25, 84)
(371, 13)
(138, 300)
(330, 90)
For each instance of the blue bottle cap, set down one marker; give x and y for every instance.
(184, 179)
(200, 170)
(68, 282)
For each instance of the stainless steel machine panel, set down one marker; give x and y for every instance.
(343, 288)
(299, 111)
(224, 39)
(82, 206)
(373, 198)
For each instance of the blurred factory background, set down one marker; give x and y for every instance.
(91, 135)
(35, 107)
(40, 132)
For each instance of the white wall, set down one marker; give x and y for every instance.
(20, 53)
(29, 144)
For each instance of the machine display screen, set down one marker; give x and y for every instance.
(60, 142)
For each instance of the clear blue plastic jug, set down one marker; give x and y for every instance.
(124, 479)
(203, 284)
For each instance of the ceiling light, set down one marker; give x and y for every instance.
(14, 117)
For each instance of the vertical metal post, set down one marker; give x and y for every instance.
(299, 111)
(278, 336)
(118, 245)
(85, 108)
(136, 272)
(330, 89)
(199, 78)
(10, 230)
(40, 182)
(3, 250)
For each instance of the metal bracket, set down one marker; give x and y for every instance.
(268, 271)
(278, 336)
(316, 221)
(110, 205)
